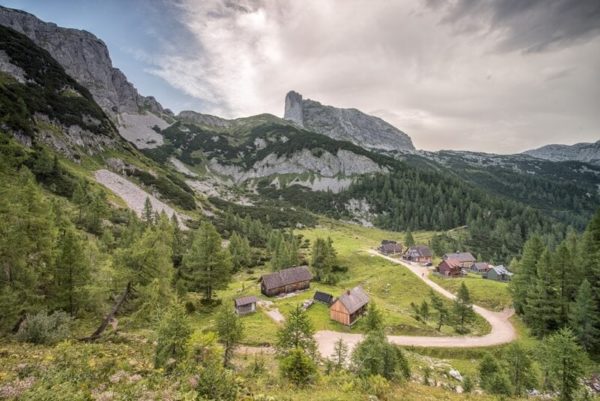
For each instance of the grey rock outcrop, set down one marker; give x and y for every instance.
(583, 152)
(85, 58)
(346, 124)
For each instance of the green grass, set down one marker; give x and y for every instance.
(490, 294)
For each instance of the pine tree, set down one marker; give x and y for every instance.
(297, 333)
(71, 272)
(374, 319)
(585, 318)
(519, 368)
(543, 301)
(526, 273)
(298, 367)
(241, 253)
(324, 261)
(230, 330)
(463, 308)
(148, 213)
(567, 280)
(173, 335)
(438, 305)
(565, 360)
(206, 266)
(340, 354)
(408, 239)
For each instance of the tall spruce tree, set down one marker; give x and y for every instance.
(241, 253)
(526, 273)
(585, 318)
(567, 280)
(565, 360)
(206, 265)
(463, 309)
(543, 301)
(408, 239)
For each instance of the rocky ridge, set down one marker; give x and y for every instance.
(346, 124)
(85, 58)
(583, 152)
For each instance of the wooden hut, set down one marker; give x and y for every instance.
(349, 306)
(463, 259)
(389, 247)
(245, 305)
(323, 297)
(285, 281)
(419, 253)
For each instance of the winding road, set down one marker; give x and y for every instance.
(502, 331)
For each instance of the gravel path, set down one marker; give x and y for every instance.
(134, 196)
(502, 330)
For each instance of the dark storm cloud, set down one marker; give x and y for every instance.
(526, 25)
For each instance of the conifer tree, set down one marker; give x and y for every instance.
(148, 213)
(71, 272)
(340, 353)
(230, 330)
(543, 300)
(463, 308)
(585, 318)
(565, 360)
(526, 273)
(206, 266)
(241, 253)
(440, 308)
(408, 239)
(297, 333)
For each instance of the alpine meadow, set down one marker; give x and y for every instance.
(433, 234)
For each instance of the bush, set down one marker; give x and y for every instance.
(42, 328)
(298, 368)
(377, 385)
(173, 335)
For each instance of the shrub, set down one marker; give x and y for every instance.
(298, 368)
(173, 335)
(43, 328)
(377, 385)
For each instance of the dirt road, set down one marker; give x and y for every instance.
(502, 331)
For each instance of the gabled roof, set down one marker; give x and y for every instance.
(500, 270)
(460, 256)
(241, 301)
(391, 247)
(421, 250)
(286, 277)
(323, 297)
(354, 299)
(481, 266)
(451, 263)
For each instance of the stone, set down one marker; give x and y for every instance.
(346, 124)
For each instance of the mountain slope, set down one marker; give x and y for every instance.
(85, 58)
(584, 152)
(345, 124)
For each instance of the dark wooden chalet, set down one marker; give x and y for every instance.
(349, 306)
(323, 297)
(389, 247)
(286, 281)
(450, 268)
(245, 305)
(464, 259)
(419, 253)
(480, 267)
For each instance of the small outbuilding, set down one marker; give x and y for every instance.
(285, 281)
(349, 306)
(245, 305)
(498, 273)
(481, 267)
(389, 247)
(419, 254)
(323, 297)
(450, 268)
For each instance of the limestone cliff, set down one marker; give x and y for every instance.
(346, 124)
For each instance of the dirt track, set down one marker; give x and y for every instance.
(502, 331)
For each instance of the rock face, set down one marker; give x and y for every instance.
(85, 58)
(208, 120)
(346, 124)
(583, 152)
(343, 163)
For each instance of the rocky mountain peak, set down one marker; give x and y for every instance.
(346, 124)
(583, 152)
(85, 58)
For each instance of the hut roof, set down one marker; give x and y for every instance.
(354, 299)
(323, 297)
(286, 277)
(242, 301)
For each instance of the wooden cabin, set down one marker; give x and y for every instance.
(498, 273)
(245, 305)
(463, 259)
(285, 281)
(419, 254)
(349, 306)
(450, 268)
(481, 267)
(389, 247)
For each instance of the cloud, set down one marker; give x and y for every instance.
(459, 75)
(530, 25)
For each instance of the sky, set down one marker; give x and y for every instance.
(498, 76)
